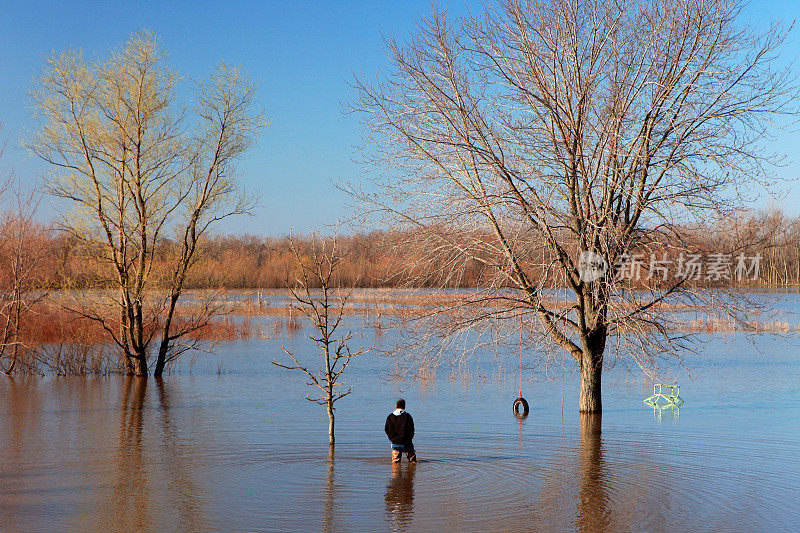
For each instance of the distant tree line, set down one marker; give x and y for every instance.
(376, 259)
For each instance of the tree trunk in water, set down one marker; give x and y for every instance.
(159, 370)
(140, 364)
(130, 369)
(164, 346)
(590, 400)
(161, 361)
(593, 345)
(331, 422)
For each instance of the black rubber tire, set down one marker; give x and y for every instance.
(524, 403)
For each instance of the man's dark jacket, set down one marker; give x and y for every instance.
(400, 428)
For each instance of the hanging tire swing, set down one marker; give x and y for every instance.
(523, 404)
(520, 402)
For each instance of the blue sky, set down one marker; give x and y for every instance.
(303, 55)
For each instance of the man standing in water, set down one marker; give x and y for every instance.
(400, 430)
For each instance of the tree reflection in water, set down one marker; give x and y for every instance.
(154, 479)
(400, 496)
(183, 493)
(131, 505)
(20, 420)
(593, 513)
(329, 512)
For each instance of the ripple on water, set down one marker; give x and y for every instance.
(245, 452)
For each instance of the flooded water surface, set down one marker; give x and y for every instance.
(231, 444)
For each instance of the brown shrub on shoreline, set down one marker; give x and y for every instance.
(61, 342)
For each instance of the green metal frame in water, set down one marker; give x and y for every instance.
(659, 400)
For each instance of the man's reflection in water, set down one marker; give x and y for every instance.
(400, 495)
(593, 511)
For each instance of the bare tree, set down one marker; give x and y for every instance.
(544, 130)
(316, 296)
(22, 282)
(137, 168)
(22, 250)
